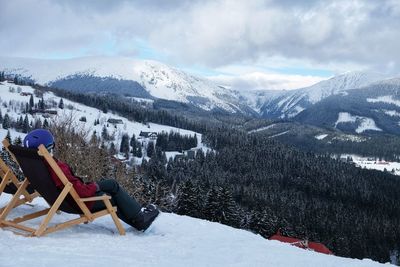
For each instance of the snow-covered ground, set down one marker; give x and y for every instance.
(79, 110)
(321, 136)
(340, 83)
(384, 99)
(262, 128)
(278, 134)
(375, 164)
(392, 113)
(173, 240)
(350, 137)
(364, 123)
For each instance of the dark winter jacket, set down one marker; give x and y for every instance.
(83, 190)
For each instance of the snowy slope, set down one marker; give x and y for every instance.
(158, 79)
(173, 240)
(291, 103)
(363, 123)
(340, 83)
(373, 108)
(77, 111)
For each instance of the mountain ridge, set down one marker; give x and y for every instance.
(159, 80)
(290, 103)
(154, 80)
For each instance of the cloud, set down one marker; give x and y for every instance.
(265, 81)
(209, 33)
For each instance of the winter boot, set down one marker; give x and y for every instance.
(146, 217)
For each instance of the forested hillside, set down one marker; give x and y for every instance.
(354, 212)
(332, 141)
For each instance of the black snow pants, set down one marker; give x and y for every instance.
(128, 209)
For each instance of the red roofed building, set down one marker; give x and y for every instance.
(304, 244)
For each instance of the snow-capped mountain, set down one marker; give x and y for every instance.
(142, 78)
(374, 108)
(290, 103)
(154, 80)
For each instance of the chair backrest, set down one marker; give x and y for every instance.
(10, 188)
(37, 172)
(8, 163)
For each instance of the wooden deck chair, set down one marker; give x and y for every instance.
(9, 183)
(34, 163)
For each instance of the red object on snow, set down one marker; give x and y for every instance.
(304, 244)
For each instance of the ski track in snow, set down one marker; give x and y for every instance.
(278, 134)
(173, 240)
(262, 128)
(320, 136)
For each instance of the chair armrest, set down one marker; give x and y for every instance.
(98, 198)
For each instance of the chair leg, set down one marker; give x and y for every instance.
(14, 200)
(114, 216)
(53, 210)
(4, 182)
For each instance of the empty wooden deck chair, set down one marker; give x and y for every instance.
(33, 164)
(9, 183)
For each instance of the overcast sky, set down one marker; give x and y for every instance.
(266, 44)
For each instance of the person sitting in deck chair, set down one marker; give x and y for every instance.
(128, 209)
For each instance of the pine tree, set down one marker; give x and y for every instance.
(138, 152)
(8, 136)
(31, 102)
(104, 108)
(38, 124)
(194, 144)
(26, 127)
(46, 124)
(93, 138)
(227, 207)
(200, 156)
(187, 202)
(18, 141)
(6, 122)
(104, 133)
(124, 147)
(150, 149)
(1, 117)
(211, 206)
(112, 150)
(20, 123)
(61, 104)
(41, 104)
(133, 144)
